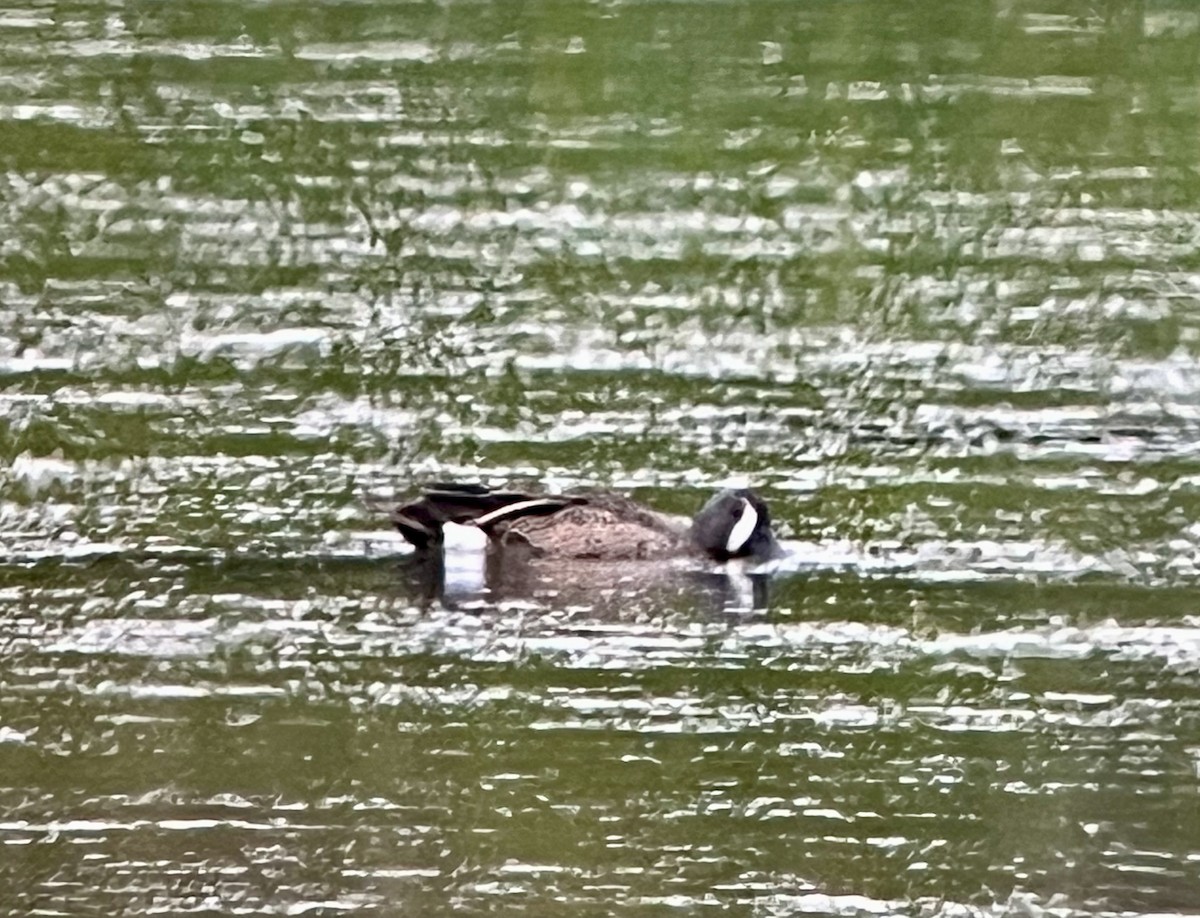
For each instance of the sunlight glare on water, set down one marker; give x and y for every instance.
(921, 275)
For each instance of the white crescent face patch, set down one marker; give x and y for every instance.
(740, 534)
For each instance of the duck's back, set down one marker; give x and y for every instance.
(605, 527)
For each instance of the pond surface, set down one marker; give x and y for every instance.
(926, 274)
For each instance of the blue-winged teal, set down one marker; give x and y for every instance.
(590, 525)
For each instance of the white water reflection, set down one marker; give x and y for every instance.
(922, 277)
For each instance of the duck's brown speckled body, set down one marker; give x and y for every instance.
(594, 525)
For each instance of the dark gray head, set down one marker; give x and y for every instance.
(735, 524)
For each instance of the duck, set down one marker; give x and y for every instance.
(596, 525)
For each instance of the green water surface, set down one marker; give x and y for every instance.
(924, 273)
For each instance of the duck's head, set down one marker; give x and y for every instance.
(735, 523)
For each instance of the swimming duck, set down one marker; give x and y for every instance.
(594, 525)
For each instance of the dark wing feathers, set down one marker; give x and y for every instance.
(421, 520)
(458, 487)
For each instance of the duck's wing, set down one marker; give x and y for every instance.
(421, 520)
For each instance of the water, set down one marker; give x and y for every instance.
(924, 274)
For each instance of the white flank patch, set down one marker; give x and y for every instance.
(460, 538)
(464, 571)
(515, 510)
(740, 534)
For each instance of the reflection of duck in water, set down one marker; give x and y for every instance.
(596, 526)
(579, 548)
